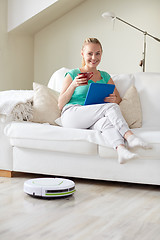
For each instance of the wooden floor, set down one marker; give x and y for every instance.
(98, 210)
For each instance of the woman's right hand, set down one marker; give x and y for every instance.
(79, 81)
(82, 79)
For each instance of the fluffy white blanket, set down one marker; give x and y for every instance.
(16, 105)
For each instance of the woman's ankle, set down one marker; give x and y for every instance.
(127, 134)
(119, 146)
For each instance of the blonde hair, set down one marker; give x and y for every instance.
(87, 41)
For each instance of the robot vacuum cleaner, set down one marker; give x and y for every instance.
(49, 187)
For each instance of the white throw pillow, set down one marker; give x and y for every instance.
(45, 104)
(56, 79)
(131, 108)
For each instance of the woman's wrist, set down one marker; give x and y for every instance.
(73, 85)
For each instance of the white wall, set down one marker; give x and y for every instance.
(16, 56)
(20, 11)
(59, 44)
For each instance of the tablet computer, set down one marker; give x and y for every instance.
(97, 92)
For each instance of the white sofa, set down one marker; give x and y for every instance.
(47, 149)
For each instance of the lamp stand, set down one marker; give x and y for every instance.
(143, 61)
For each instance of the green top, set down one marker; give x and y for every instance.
(80, 92)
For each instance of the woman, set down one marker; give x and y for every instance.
(107, 117)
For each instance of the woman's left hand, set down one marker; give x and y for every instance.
(112, 98)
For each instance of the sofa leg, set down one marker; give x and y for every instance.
(6, 173)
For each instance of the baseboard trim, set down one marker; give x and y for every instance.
(6, 173)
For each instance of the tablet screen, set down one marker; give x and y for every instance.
(97, 92)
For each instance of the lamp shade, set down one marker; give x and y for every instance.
(108, 15)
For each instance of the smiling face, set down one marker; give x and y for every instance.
(91, 54)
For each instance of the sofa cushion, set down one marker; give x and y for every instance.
(153, 153)
(56, 79)
(53, 138)
(150, 135)
(45, 104)
(75, 147)
(131, 108)
(123, 82)
(49, 137)
(148, 86)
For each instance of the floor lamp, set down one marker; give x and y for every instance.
(113, 17)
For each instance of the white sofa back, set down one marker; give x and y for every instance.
(147, 84)
(56, 79)
(122, 81)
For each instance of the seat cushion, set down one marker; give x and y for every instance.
(49, 137)
(150, 135)
(54, 138)
(78, 147)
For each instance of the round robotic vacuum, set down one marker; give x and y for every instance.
(49, 187)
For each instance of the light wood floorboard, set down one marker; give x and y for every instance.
(98, 210)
